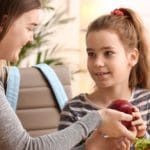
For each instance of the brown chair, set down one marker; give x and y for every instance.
(37, 107)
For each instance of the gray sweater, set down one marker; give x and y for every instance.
(14, 137)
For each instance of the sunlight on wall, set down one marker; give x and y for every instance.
(91, 9)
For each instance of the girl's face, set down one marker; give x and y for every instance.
(108, 62)
(18, 35)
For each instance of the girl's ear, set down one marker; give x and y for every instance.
(133, 57)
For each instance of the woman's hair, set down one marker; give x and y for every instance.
(128, 26)
(12, 9)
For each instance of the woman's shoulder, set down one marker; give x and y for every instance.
(1, 86)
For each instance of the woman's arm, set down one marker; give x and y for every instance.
(13, 136)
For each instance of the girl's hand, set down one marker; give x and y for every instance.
(138, 122)
(123, 144)
(97, 142)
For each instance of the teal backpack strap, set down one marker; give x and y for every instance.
(55, 84)
(13, 85)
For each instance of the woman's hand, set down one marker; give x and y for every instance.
(138, 122)
(111, 124)
(97, 142)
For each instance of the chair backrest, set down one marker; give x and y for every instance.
(37, 107)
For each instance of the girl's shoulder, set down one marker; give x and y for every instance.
(141, 95)
(79, 101)
(80, 97)
(141, 92)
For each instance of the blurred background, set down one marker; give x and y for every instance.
(60, 38)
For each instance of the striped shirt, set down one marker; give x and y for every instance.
(81, 105)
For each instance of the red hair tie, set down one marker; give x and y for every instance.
(117, 12)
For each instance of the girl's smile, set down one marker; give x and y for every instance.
(102, 75)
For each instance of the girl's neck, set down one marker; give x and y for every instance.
(103, 97)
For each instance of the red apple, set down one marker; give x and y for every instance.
(123, 106)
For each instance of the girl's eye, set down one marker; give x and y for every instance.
(91, 54)
(109, 53)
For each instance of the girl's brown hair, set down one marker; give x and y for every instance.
(12, 9)
(131, 32)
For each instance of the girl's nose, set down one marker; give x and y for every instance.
(99, 62)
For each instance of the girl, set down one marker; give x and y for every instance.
(18, 18)
(118, 63)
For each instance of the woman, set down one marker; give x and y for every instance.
(18, 18)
